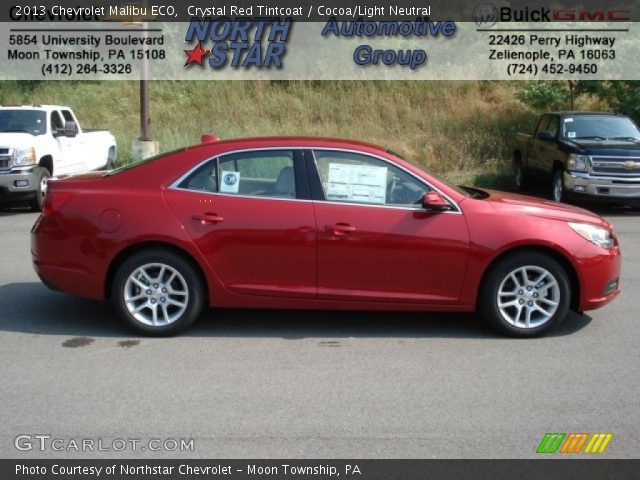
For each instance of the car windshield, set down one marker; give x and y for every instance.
(466, 191)
(23, 121)
(599, 127)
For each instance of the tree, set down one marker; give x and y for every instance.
(621, 96)
(552, 95)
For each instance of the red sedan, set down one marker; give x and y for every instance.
(312, 223)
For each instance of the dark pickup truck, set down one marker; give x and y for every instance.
(583, 153)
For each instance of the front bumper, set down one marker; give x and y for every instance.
(599, 275)
(19, 183)
(604, 187)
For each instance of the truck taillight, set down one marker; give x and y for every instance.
(53, 201)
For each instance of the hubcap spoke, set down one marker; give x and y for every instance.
(136, 298)
(138, 283)
(140, 307)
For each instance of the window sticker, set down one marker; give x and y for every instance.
(568, 120)
(571, 134)
(230, 182)
(357, 183)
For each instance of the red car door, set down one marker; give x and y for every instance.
(243, 213)
(375, 243)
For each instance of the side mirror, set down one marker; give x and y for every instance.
(70, 129)
(546, 136)
(434, 202)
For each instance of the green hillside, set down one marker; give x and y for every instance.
(463, 130)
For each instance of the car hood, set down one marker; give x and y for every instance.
(620, 148)
(15, 139)
(503, 202)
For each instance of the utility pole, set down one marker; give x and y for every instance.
(144, 146)
(145, 120)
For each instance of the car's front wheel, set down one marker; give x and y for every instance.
(157, 292)
(557, 187)
(525, 294)
(43, 178)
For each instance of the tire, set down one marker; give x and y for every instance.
(111, 160)
(557, 186)
(512, 281)
(520, 177)
(37, 202)
(172, 288)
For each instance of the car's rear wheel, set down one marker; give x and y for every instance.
(43, 178)
(157, 292)
(520, 177)
(525, 294)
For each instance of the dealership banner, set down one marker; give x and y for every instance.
(324, 40)
(319, 469)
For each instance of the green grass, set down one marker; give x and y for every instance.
(462, 130)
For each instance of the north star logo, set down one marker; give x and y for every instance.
(196, 55)
(243, 42)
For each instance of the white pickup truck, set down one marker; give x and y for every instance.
(41, 141)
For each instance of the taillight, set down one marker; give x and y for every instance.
(53, 201)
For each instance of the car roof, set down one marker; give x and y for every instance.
(33, 107)
(290, 141)
(569, 113)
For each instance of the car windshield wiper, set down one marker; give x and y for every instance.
(14, 130)
(593, 137)
(631, 139)
(474, 192)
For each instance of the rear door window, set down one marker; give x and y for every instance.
(263, 173)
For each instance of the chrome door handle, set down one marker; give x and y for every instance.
(208, 218)
(340, 228)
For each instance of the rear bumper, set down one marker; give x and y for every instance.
(52, 249)
(23, 183)
(603, 187)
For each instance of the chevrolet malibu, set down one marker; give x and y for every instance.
(312, 223)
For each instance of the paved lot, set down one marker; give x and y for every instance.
(291, 384)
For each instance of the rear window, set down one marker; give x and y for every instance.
(129, 166)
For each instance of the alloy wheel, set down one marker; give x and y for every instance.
(528, 297)
(156, 294)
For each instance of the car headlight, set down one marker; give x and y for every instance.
(579, 163)
(24, 156)
(599, 236)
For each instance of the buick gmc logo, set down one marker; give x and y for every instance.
(486, 15)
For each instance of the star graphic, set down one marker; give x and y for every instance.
(196, 55)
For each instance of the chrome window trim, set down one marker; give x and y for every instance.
(174, 185)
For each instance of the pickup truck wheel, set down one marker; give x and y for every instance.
(157, 292)
(42, 179)
(520, 176)
(525, 294)
(557, 189)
